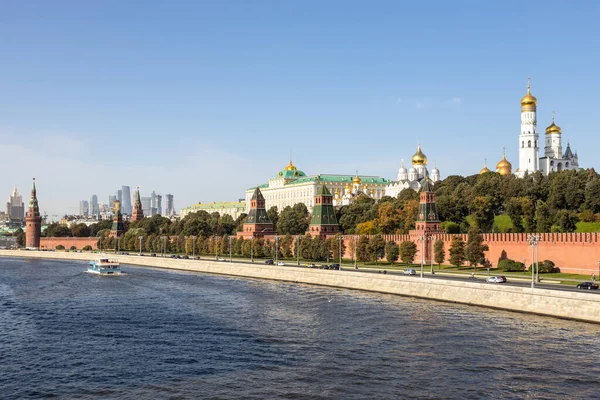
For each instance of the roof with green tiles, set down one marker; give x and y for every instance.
(326, 178)
(216, 205)
(323, 214)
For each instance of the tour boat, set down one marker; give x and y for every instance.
(104, 266)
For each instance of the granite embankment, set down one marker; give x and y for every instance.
(572, 305)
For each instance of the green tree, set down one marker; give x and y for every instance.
(293, 220)
(408, 251)
(514, 210)
(362, 249)
(457, 251)
(439, 254)
(392, 252)
(566, 220)
(592, 195)
(475, 250)
(273, 214)
(543, 217)
(483, 213)
(60, 247)
(376, 248)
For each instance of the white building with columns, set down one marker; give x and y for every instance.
(554, 159)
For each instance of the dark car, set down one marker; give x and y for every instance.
(153, 255)
(186, 257)
(587, 285)
(269, 262)
(324, 266)
(173, 255)
(334, 266)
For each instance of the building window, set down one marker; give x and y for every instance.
(529, 143)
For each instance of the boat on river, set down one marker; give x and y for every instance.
(104, 266)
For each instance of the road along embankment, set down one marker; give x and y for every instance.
(556, 303)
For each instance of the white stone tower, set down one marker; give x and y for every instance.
(553, 148)
(529, 138)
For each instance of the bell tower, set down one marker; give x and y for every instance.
(529, 138)
(33, 222)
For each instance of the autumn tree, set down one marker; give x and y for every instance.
(376, 248)
(439, 254)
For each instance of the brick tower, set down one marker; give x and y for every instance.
(323, 221)
(427, 227)
(33, 222)
(117, 228)
(257, 223)
(137, 213)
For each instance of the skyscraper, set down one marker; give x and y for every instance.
(126, 201)
(153, 207)
(169, 207)
(15, 209)
(111, 200)
(94, 208)
(147, 206)
(159, 204)
(84, 208)
(120, 198)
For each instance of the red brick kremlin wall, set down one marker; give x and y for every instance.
(571, 252)
(79, 242)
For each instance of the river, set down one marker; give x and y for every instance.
(156, 334)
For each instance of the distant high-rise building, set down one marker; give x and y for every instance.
(120, 198)
(159, 204)
(147, 206)
(169, 206)
(84, 208)
(94, 209)
(153, 207)
(15, 209)
(111, 200)
(126, 202)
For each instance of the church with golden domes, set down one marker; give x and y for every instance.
(529, 145)
(414, 177)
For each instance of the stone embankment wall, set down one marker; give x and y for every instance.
(572, 252)
(572, 305)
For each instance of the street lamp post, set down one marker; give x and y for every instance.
(276, 249)
(534, 241)
(340, 249)
(432, 239)
(230, 250)
(140, 237)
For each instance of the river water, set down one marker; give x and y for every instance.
(155, 334)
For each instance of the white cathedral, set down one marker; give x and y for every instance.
(554, 159)
(414, 177)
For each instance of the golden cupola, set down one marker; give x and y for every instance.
(504, 167)
(356, 180)
(528, 102)
(553, 128)
(290, 167)
(419, 158)
(485, 169)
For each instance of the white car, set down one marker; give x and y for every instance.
(496, 279)
(409, 271)
(221, 259)
(281, 263)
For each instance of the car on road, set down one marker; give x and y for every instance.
(186, 257)
(334, 266)
(221, 259)
(496, 279)
(269, 262)
(281, 263)
(311, 265)
(587, 285)
(409, 271)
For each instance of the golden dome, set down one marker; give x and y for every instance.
(356, 179)
(484, 169)
(504, 167)
(348, 186)
(419, 158)
(528, 102)
(553, 128)
(290, 167)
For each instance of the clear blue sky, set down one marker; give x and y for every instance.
(204, 99)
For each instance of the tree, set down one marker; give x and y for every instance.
(334, 245)
(376, 248)
(361, 249)
(60, 247)
(293, 220)
(273, 214)
(592, 195)
(457, 251)
(483, 213)
(508, 265)
(566, 221)
(543, 217)
(366, 228)
(439, 254)
(475, 250)
(514, 210)
(408, 251)
(392, 252)
(87, 248)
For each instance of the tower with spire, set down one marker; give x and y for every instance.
(323, 221)
(428, 222)
(554, 159)
(138, 212)
(258, 223)
(117, 225)
(33, 221)
(15, 208)
(529, 138)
